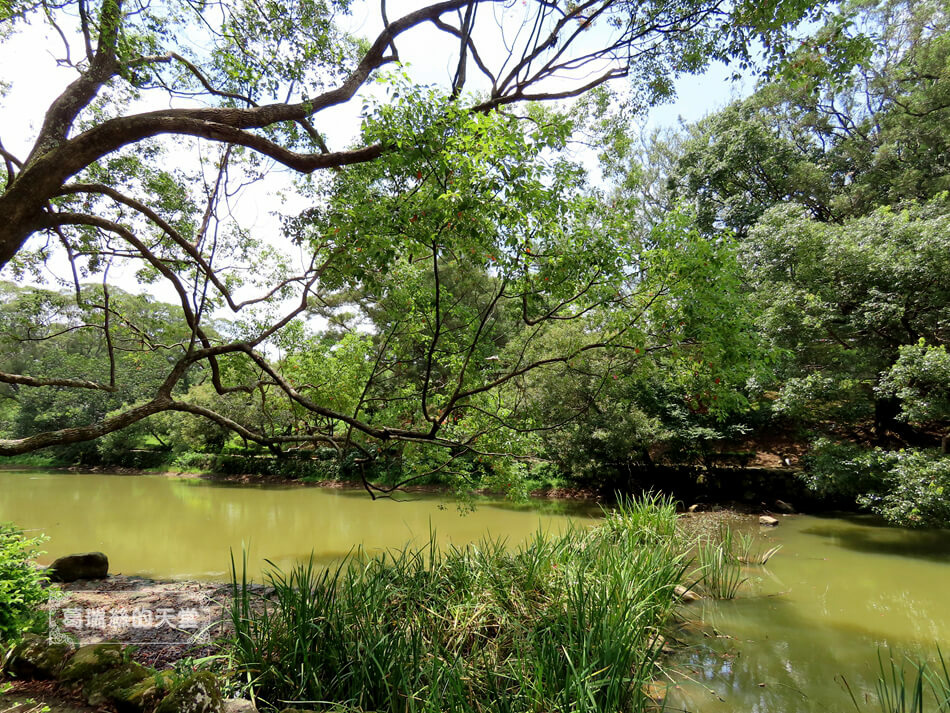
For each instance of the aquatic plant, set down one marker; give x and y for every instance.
(748, 551)
(564, 623)
(909, 685)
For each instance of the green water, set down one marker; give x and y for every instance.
(172, 528)
(840, 590)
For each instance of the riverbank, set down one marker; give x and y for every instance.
(457, 628)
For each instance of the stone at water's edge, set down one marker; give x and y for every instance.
(686, 595)
(35, 658)
(86, 565)
(768, 521)
(199, 693)
(238, 705)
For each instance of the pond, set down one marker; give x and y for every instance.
(840, 587)
(839, 590)
(185, 528)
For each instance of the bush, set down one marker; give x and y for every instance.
(21, 584)
(910, 488)
(917, 489)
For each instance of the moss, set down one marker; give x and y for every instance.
(90, 660)
(114, 683)
(145, 694)
(198, 693)
(35, 658)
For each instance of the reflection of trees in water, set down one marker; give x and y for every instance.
(920, 544)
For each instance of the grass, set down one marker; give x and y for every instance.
(910, 685)
(564, 623)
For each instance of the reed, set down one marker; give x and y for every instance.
(748, 551)
(564, 623)
(907, 685)
(720, 572)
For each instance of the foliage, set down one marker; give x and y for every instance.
(452, 233)
(21, 583)
(565, 623)
(920, 380)
(856, 120)
(908, 487)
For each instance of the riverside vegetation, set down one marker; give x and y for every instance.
(566, 623)
(573, 622)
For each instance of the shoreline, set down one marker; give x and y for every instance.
(250, 479)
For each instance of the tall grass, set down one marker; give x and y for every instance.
(565, 623)
(910, 685)
(720, 572)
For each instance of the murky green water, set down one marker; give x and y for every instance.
(838, 591)
(170, 528)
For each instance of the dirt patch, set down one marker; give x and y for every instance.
(161, 622)
(44, 697)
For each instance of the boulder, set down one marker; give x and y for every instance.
(145, 694)
(35, 658)
(87, 565)
(686, 595)
(198, 693)
(238, 705)
(114, 684)
(768, 521)
(90, 660)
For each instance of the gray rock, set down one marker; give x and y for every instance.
(87, 565)
(768, 521)
(35, 658)
(686, 595)
(198, 693)
(238, 705)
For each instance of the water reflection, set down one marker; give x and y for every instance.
(186, 528)
(840, 590)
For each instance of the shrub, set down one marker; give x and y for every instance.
(907, 487)
(21, 584)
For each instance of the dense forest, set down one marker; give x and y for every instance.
(469, 302)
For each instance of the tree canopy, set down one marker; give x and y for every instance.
(453, 237)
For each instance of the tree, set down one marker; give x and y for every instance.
(857, 119)
(438, 181)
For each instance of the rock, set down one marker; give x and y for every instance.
(145, 694)
(784, 507)
(686, 595)
(87, 565)
(90, 660)
(656, 691)
(35, 658)
(238, 705)
(768, 521)
(114, 685)
(198, 693)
